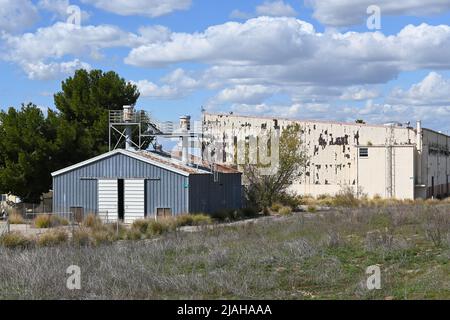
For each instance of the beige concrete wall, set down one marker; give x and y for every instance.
(331, 147)
(373, 172)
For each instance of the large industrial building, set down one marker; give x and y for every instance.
(392, 160)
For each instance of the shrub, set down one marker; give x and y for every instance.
(193, 220)
(57, 221)
(81, 237)
(436, 225)
(92, 221)
(118, 230)
(16, 219)
(328, 201)
(290, 200)
(248, 212)
(285, 211)
(52, 238)
(312, 209)
(45, 221)
(346, 198)
(224, 215)
(102, 236)
(201, 220)
(184, 220)
(276, 207)
(305, 200)
(446, 200)
(432, 202)
(42, 221)
(141, 225)
(15, 240)
(160, 226)
(133, 234)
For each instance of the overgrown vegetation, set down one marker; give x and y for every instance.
(264, 187)
(44, 221)
(324, 255)
(15, 240)
(16, 219)
(52, 238)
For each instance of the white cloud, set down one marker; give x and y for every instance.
(264, 60)
(155, 33)
(339, 13)
(275, 9)
(358, 93)
(43, 50)
(288, 51)
(17, 15)
(59, 8)
(149, 8)
(256, 41)
(149, 89)
(176, 85)
(238, 14)
(433, 90)
(54, 70)
(244, 94)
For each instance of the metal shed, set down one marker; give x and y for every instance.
(130, 185)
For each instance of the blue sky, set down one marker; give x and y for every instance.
(299, 59)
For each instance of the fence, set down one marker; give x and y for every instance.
(73, 221)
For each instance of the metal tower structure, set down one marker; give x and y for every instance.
(134, 128)
(137, 130)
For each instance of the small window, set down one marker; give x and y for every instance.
(363, 152)
(163, 212)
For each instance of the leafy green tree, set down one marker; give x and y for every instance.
(26, 150)
(83, 105)
(262, 190)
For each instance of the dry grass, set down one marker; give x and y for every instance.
(16, 219)
(45, 221)
(193, 220)
(320, 256)
(52, 238)
(285, 211)
(15, 240)
(92, 221)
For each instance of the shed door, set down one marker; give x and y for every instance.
(107, 199)
(134, 200)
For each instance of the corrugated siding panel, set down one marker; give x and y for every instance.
(134, 200)
(107, 199)
(209, 196)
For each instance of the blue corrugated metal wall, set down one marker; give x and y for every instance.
(78, 188)
(207, 195)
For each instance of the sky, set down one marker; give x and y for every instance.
(342, 60)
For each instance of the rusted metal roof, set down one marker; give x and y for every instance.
(197, 161)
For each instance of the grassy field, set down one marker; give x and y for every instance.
(303, 256)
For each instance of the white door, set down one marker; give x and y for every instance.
(107, 200)
(134, 200)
